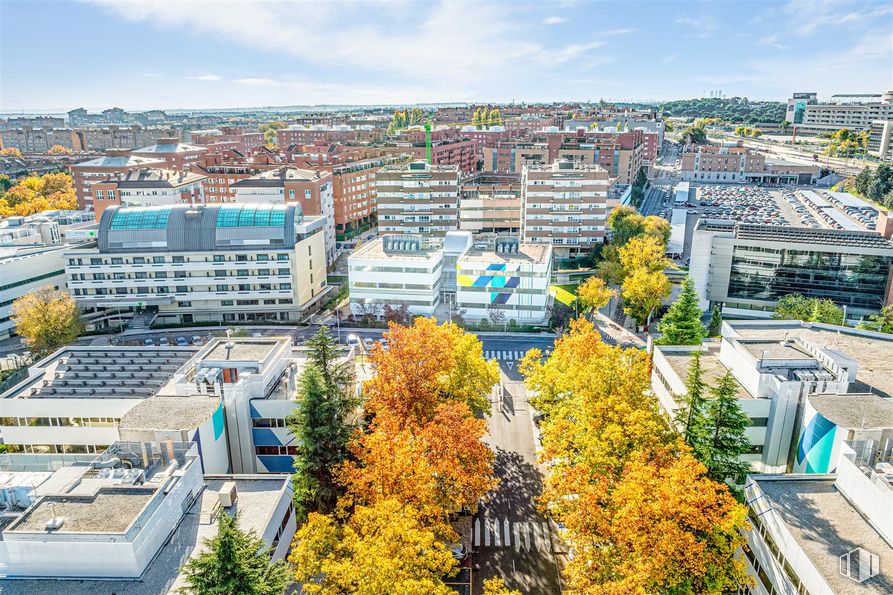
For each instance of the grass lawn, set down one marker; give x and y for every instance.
(566, 293)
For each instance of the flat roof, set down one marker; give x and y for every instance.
(374, 249)
(242, 349)
(256, 503)
(855, 411)
(169, 412)
(84, 372)
(826, 526)
(527, 253)
(775, 350)
(872, 351)
(711, 368)
(110, 510)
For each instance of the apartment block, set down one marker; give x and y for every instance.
(229, 137)
(114, 162)
(512, 156)
(178, 156)
(565, 205)
(39, 140)
(855, 112)
(621, 154)
(310, 189)
(148, 188)
(417, 198)
(354, 189)
(121, 137)
(324, 134)
(185, 264)
(490, 203)
(32, 121)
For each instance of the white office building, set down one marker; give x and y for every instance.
(793, 379)
(477, 277)
(127, 520)
(188, 264)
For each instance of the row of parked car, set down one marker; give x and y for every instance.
(178, 341)
(747, 204)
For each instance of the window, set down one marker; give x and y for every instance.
(140, 276)
(162, 289)
(117, 261)
(99, 276)
(139, 260)
(179, 259)
(219, 273)
(263, 271)
(158, 259)
(263, 257)
(223, 288)
(95, 261)
(307, 194)
(285, 286)
(121, 290)
(244, 287)
(282, 257)
(242, 273)
(226, 302)
(185, 305)
(161, 275)
(241, 258)
(181, 289)
(282, 272)
(219, 258)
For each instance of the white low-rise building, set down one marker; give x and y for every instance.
(477, 278)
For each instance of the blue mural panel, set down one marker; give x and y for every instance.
(496, 267)
(498, 282)
(512, 282)
(502, 298)
(482, 281)
(265, 437)
(218, 420)
(277, 463)
(815, 445)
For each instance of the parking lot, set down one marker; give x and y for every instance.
(747, 204)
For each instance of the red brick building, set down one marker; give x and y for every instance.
(229, 137)
(115, 161)
(178, 156)
(147, 187)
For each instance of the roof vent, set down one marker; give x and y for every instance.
(55, 523)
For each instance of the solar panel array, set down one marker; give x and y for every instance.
(111, 374)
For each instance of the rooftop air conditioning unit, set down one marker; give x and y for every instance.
(227, 494)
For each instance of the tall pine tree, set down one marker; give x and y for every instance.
(691, 416)
(235, 562)
(715, 322)
(321, 425)
(682, 325)
(726, 424)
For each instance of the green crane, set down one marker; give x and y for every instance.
(428, 141)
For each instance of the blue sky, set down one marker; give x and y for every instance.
(138, 54)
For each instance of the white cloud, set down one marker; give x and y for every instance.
(613, 32)
(772, 41)
(571, 51)
(151, 75)
(257, 82)
(203, 77)
(669, 58)
(554, 20)
(701, 27)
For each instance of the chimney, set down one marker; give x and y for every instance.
(173, 140)
(117, 152)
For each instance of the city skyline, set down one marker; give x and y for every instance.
(253, 54)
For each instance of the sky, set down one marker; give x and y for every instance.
(57, 55)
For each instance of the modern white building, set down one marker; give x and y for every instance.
(127, 520)
(829, 533)
(805, 386)
(746, 268)
(510, 277)
(393, 270)
(880, 140)
(477, 277)
(24, 269)
(185, 264)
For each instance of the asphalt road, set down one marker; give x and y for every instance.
(511, 538)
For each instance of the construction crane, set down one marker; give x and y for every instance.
(428, 152)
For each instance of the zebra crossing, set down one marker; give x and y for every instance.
(508, 355)
(519, 535)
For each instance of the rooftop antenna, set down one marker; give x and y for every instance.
(229, 344)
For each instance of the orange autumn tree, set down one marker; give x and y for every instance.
(439, 467)
(425, 365)
(639, 511)
(35, 194)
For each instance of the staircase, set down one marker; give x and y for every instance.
(140, 322)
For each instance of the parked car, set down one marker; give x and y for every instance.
(163, 342)
(196, 340)
(182, 342)
(148, 342)
(352, 340)
(368, 344)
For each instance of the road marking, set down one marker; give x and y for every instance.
(506, 529)
(477, 532)
(497, 534)
(516, 531)
(547, 539)
(537, 535)
(527, 535)
(486, 533)
(511, 365)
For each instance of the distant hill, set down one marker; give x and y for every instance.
(735, 110)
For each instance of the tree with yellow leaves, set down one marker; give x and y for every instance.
(47, 319)
(594, 294)
(10, 152)
(35, 194)
(643, 292)
(59, 150)
(640, 513)
(496, 586)
(425, 365)
(643, 252)
(380, 550)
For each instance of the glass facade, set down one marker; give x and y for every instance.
(251, 215)
(854, 280)
(140, 218)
